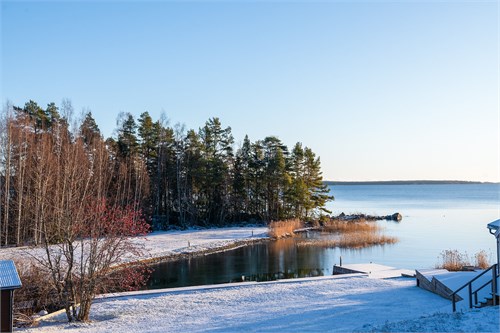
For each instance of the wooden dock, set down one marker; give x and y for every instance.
(429, 279)
(373, 270)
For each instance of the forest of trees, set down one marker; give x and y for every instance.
(52, 168)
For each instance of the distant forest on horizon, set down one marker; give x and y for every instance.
(53, 167)
(404, 182)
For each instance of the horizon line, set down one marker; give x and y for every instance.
(414, 181)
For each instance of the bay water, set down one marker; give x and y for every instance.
(436, 217)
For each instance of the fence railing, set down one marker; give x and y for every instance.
(473, 292)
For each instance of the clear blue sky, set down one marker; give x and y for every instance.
(380, 90)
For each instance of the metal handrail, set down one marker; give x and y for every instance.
(469, 284)
(478, 289)
(474, 279)
(484, 285)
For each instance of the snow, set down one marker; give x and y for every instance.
(335, 303)
(166, 243)
(480, 320)
(379, 271)
(456, 280)
(355, 302)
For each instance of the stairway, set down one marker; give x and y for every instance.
(465, 289)
(481, 291)
(488, 301)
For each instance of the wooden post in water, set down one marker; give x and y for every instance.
(340, 261)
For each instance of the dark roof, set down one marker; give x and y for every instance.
(9, 279)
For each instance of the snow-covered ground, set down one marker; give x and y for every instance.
(321, 304)
(164, 244)
(337, 304)
(168, 243)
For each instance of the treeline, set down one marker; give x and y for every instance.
(50, 171)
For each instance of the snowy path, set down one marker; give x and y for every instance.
(334, 304)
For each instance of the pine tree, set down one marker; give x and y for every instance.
(275, 177)
(52, 115)
(127, 139)
(317, 191)
(149, 133)
(37, 114)
(258, 186)
(297, 192)
(194, 169)
(89, 129)
(217, 152)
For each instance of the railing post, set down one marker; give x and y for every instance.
(494, 287)
(475, 297)
(470, 295)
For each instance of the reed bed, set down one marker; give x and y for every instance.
(337, 226)
(351, 241)
(285, 228)
(351, 234)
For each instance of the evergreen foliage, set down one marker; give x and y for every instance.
(175, 177)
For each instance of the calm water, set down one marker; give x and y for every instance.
(435, 218)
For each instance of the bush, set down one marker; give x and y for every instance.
(35, 294)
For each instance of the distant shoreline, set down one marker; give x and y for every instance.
(407, 182)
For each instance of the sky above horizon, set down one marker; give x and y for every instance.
(380, 90)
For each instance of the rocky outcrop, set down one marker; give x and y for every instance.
(394, 217)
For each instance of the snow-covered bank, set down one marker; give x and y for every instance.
(168, 243)
(324, 304)
(172, 243)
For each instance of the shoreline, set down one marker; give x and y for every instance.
(200, 253)
(168, 245)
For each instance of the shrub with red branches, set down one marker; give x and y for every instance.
(91, 253)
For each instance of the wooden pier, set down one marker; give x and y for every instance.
(373, 270)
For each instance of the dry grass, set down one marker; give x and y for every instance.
(453, 260)
(350, 226)
(482, 260)
(284, 228)
(352, 240)
(351, 234)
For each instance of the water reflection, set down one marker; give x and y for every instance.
(267, 261)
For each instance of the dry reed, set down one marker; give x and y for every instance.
(284, 228)
(482, 260)
(351, 234)
(453, 260)
(352, 240)
(350, 226)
